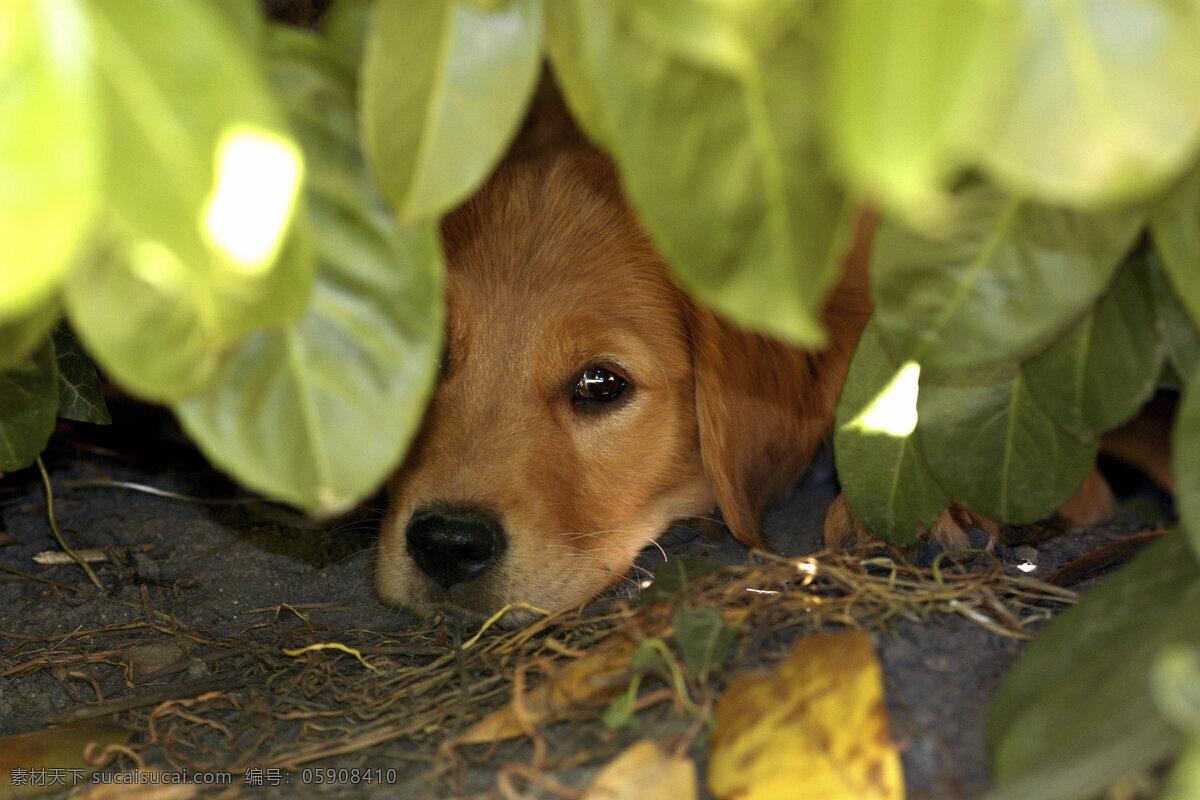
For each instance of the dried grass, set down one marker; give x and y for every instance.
(287, 693)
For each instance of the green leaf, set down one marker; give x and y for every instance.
(565, 41)
(1105, 367)
(1175, 327)
(28, 408)
(79, 395)
(879, 462)
(344, 28)
(652, 655)
(49, 149)
(1175, 686)
(997, 283)
(317, 413)
(674, 575)
(910, 85)
(1108, 101)
(1075, 712)
(704, 639)
(20, 336)
(714, 130)
(1183, 783)
(444, 86)
(247, 17)
(1185, 458)
(203, 183)
(621, 712)
(1175, 225)
(991, 446)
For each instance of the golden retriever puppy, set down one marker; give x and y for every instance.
(585, 402)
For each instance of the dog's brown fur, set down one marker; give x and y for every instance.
(549, 273)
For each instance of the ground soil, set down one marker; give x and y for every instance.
(230, 568)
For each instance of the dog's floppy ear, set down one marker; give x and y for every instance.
(764, 407)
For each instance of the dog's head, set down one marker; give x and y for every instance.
(584, 404)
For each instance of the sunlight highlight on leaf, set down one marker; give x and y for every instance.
(880, 464)
(318, 410)
(158, 265)
(894, 410)
(257, 182)
(176, 81)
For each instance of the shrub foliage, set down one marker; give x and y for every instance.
(240, 221)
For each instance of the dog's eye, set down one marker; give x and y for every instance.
(599, 385)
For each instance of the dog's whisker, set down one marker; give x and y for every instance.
(660, 549)
(620, 579)
(642, 571)
(574, 535)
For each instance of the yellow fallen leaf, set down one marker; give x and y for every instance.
(644, 771)
(152, 784)
(815, 726)
(591, 679)
(51, 760)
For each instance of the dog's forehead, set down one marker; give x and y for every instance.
(550, 250)
(534, 222)
(570, 317)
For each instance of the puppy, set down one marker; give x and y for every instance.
(586, 402)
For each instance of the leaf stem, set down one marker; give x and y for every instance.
(57, 533)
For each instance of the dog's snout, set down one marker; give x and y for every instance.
(453, 546)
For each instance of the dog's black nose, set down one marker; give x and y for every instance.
(453, 545)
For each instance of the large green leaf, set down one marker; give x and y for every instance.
(1185, 458)
(1184, 780)
(998, 283)
(445, 84)
(28, 408)
(344, 28)
(710, 114)
(1175, 687)
(153, 343)
(1105, 367)
(318, 412)
(20, 336)
(203, 183)
(879, 461)
(910, 86)
(1108, 99)
(1175, 327)
(1075, 713)
(1175, 224)
(247, 16)
(565, 41)
(49, 154)
(991, 446)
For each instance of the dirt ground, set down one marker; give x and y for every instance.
(212, 577)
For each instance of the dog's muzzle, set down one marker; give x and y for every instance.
(453, 545)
